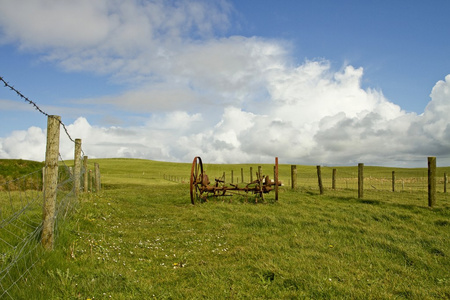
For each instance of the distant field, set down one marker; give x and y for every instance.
(140, 238)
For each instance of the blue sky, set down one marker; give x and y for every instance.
(400, 44)
(325, 82)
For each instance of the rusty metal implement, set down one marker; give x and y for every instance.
(201, 187)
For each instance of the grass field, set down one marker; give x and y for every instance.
(140, 238)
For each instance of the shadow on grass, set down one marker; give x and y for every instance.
(239, 199)
(376, 202)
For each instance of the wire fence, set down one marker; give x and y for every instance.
(379, 183)
(21, 215)
(375, 178)
(21, 225)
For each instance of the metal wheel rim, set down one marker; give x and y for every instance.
(196, 179)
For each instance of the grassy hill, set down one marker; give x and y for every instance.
(140, 238)
(14, 168)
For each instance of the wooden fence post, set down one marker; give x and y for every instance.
(360, 180)
(97, 177)
(431, 181)
(77, 167)
(274, 173)
(333, 179)
(232, 176)
(293, 176)
(275, 176)
(91, 181)
(251, 174)
(393, 181)
(319, 177)
(445, 182)
(51, 181)
(43, 179)
(86, 174)
(242, 175)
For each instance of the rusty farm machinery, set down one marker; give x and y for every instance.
(201, 187)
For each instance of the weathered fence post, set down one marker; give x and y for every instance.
(77, 167)
(319, 177)
(393, 181)
(445, 182)
(251, 174)
(333, 179)
(274, 171)
(85, 175)
(91, 181)
(431, 181)
(50, 181)
(293, 176)
(242, 175)
(275, 177)
(360, 180)
(43, 179)
(97, 177)
(232, 176)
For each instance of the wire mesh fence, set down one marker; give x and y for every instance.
(23, 223)
(378, 183)
(21, 202)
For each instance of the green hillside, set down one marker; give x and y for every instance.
(14, 168)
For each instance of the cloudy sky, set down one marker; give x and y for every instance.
(310, 81)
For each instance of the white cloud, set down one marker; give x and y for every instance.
(436, 115)
(125, 38)
(24, 144)
(47, 24)
(342, 138)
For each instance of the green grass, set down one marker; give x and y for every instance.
(14, 168)
(140, 238)
(12, 171)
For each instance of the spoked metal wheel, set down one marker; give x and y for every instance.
(196, 179)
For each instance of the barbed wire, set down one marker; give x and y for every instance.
(12, 88)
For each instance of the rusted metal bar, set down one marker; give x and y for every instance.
(201, 187)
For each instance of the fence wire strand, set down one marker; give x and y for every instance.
(21, 222)
(21, 225)
(36, 107)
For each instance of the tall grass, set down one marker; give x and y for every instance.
(140, 238)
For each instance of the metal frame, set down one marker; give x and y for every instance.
(201, 189)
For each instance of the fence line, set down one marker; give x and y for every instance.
(378, 182)
(344, 178)
(21, 225)
(23, 220)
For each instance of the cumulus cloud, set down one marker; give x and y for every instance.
(227, 98)
(379, 133)
(25, 144)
